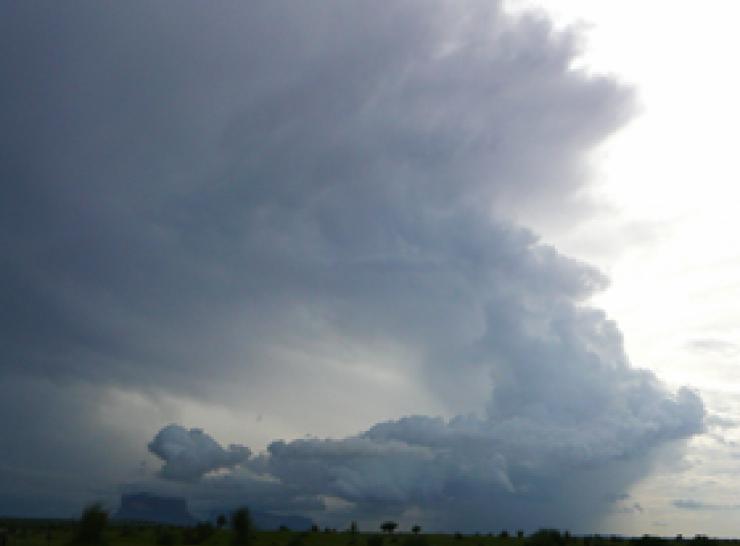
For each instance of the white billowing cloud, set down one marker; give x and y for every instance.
(566, 408)
(569, 422)
(189, 454)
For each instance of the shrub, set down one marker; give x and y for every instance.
(700, 540)
(649, 540)
(91, 527)
(545, 537)
(241, 525)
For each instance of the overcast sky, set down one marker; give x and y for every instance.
(354, 263)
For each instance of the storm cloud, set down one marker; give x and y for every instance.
(189, 454)
(310, 211)
(568, 423)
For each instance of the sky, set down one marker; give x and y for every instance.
(462, 264)
(668, 180)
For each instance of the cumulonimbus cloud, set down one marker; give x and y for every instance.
(569, 423)
(180, 212)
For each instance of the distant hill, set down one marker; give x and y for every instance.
(149, 508)
(267, 521)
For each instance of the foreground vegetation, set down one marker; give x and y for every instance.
(93, 529)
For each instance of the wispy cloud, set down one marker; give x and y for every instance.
(696, 505)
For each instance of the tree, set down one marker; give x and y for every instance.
(416, 529)
(545, 537)
(91, 526)
(242, 528)
(221, 521)
(388, 526)
(353, 532)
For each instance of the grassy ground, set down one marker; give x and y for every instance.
(41, 533)
(56, 534)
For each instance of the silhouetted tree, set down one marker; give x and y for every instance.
(416, 529)
(92, 525)
(241, 525)
(545, 537)
(221, 521)
(649, 540)
(388, 526)
(353, 531)
(700, 540)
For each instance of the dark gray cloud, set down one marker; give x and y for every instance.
(162, 187)
(230, 204)
(189, 454)
(58, 450)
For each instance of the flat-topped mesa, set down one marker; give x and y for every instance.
(145, 507)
